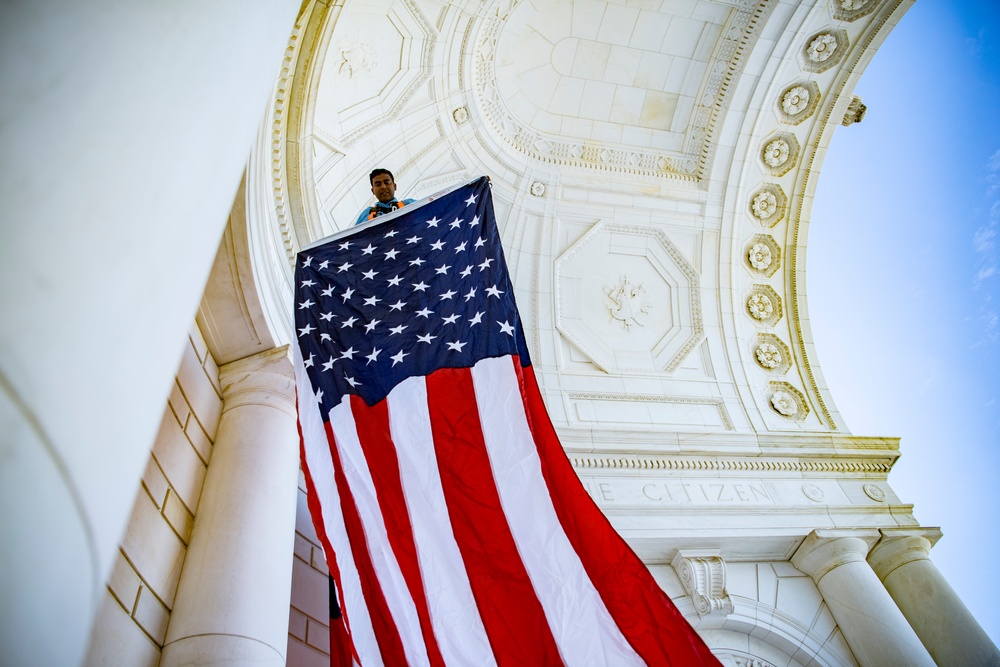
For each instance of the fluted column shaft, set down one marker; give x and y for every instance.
(872, 624)
(950, 633)
(232, 599)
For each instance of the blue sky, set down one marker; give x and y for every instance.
(903, 278)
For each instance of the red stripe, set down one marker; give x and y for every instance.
(380, 452)
(647, 618)
(512, 615)
(386, 633)
(316, 514)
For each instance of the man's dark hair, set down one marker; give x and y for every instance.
(377, 172)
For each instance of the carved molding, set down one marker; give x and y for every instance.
(703, 575)
(657, 398)
(753, 464)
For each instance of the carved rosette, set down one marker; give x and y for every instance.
(798, 102)
(787, 401)
(875, 492)
(461, 114)
(357, 58)
(779, 153)
(764, 305)
(538, 188)
(763, 255)
(771, 353)
(813, 492)
(852, 10)
(824, 50)
(703, 576)
(767, 204)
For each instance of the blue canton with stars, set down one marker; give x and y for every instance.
(426, 290)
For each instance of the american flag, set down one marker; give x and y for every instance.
(455, 528)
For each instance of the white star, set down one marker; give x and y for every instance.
(427, 338)
(506, 328)
(351, 381)
(433, 222)
(328, 364)
(391, 254)
(308, 283)
(460, 247)
(443, 270)
(449, 294)
(477, 318)
(369, 250)
(308, 363)
(474, 221)
(398, 358)
(480, 242)
(416, 262)
(456, 223)
(371, 325)
(450, 319)
(493, 291)
(344, 267)
(397, 306)
(319, 396)
(306, 330)
(389, 235)
(325, 263)
(424, 312)
(372, 300)
(456, 346)
(471, 200)
(348, 293)
(421, 286)
(373, 356)
(370, 274)
(485, 265)
(348, 322)
(413, 239)
(328, 291)
(306, 304)
(466, 272)
(345, 245)
(437, 245)
(394, 282)
(397, 330)
(327, 317)
(471, 294)
(348, 353)
(325, 336)
(307, 262)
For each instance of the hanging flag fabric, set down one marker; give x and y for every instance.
(454, 525)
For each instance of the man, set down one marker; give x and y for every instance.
(384, 189)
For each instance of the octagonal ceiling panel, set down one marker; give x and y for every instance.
(628, 299)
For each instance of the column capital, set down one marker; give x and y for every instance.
(266, 378)
(899, 546)
(824, 550)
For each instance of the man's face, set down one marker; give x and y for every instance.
(384, 188)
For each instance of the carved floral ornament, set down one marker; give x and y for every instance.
(824, 50)
(767, 204)
(821, 48)
(787, 401)
(760, 306)
(357, 58)
(768, 355)
(779, 153)
(849, 10)
(795, 100)
(760, 256)
(771, 353)
(627, 303)
(461, 114)
(776, 152)
(798, 102)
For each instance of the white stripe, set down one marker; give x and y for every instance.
(454, 615)
(390, 577)
(584, 630)
(317, 455)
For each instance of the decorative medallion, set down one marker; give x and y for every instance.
(357, 58)
(813, 492)
(780, 153)
(874, 492)
(767, 205)
(627, 303)
(787, 401)
(461, 114)
(763, 255)
(538, 188)
(771, 354)
(851, 10)
(824, 50)
(798, 102)
(764, 305)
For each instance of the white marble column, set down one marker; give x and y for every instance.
(232, 599)
(872, 624)
(901, 559)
